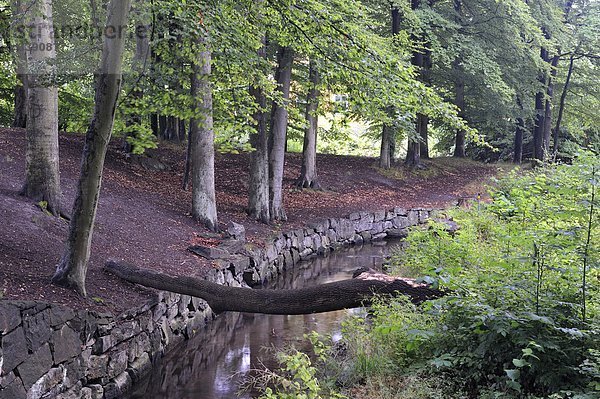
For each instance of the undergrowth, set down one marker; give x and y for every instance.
(522, 318)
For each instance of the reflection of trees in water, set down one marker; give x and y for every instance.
(214, 362)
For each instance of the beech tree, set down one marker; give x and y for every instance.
(204, 207)
(42, 178)
(308, 172)
(72, 268)
(278, 131)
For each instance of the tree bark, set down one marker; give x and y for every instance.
(385, 156)
(308, 172)
(188, 161)
(204, 206)
(561, 105)
(20, 91)
(140, 60)
(459, 91)
(413, 152)
(519, 133)
(548, 106)
(279, 121)
(42, 179)
(388, 143)
(258, 187)
(328, 297)
(72, 268)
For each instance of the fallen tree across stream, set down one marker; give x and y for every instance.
(351, 293)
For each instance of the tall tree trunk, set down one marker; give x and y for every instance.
(413, 152)
(279, 121)
(561, 106)
(188, 161)
(459, 101)
(204, 205)
(540, 110)
(385, 156)
(388, 142)
(72, 268)
(258, 187)
(424, 133)
(548, 106)
(308, 172)
(42, 180)
(519, 133)
(20, 92)
(140, 61)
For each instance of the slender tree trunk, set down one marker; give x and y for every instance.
(42, 180)
(20, 92)
(258, 187)
(204, 206)
(140, 61)
(538, 130)
(548, 106)
(459, 91)
(388, 143)
(154, 125)
(561, 106)
(413, 152)
(385, 161)
(308, 172)
(424, 143)
(279, 121)
(519, 133)
(72, 268)
(188, 161)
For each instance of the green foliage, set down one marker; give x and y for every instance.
(522, 316)
(298, 376)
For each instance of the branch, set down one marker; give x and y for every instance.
(345, 294)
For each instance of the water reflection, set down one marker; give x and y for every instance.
(213, 363)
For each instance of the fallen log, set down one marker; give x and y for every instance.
(345, 294)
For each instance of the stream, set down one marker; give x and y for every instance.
(215, 361)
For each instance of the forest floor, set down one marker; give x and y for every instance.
(144, 215)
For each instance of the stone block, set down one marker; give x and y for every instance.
(49, 385)
(97, 391)
(378, 236)
(358, 239)
(389, 215)
(139, 368)
(209, 252)
(401, 211)
(117, 363)
(14, 390)
(35, 366)
(58, 315)
(413, 217)
(97, 367)
(14, 348)
(37, 329)
(401, 222)
(66, 344)
(354, 216)
(377, 228)
(10, 317)
(397, 233)
(378, 216)
(74, 393)
(103, 344)
(333, 223)
(119, 387)
(366, 236)
(236, 231)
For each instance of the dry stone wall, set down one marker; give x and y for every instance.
(50, 351)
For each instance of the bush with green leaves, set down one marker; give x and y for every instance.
(522, 316)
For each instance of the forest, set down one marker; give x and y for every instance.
(433, 95)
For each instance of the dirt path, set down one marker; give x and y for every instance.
(143, 215)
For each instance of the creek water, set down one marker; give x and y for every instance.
(215, 361)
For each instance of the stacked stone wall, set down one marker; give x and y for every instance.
(50, 351)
